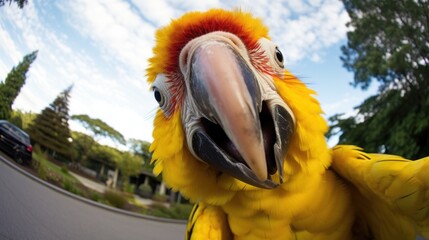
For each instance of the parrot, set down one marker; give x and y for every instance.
(243, 139)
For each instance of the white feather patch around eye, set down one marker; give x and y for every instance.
(162, 94)
(273, 53)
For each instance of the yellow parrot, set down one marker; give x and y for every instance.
(243, 138)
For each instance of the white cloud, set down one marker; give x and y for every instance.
(115, 28)
(302, 29)
(157, 12)
(106, 51)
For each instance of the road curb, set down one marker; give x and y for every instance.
(88, 201)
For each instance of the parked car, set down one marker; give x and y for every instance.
(15, 142)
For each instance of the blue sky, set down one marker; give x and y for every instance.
(102, 47)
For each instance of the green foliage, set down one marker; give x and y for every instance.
(71, 187)
(99, 157)
(87, 146)
(10, 88)
(105, 154)
(50, 128)
(115, 199)
(176, 211)
(99, 128)
(387, 123)
(160, 197)
(50, 171)
(388, 41)
(20, 3)
(95, 156)
(141, 148)
(22, 119)
(129, 188)
(82, 146)
(95, 196)
(129, 165)
(39, 164)
(64, 170)
(145, 188)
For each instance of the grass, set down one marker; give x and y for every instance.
(49, 171)
(115, 199)
(176, 211)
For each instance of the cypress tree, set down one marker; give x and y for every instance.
(50, 129)
(10, 88)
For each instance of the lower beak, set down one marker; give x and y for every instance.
(225, 92)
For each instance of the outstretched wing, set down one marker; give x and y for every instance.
(207, 222)
(391, 194)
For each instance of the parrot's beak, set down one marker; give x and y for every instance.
(233, 129)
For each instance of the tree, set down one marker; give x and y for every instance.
(98, 128)
(101, 158)
(82, 145)
(129, 165)
(22, 119)
(388, 42)
(10, 88)
(386, 123)
(141, 148)
(20, 3)
(51, 130)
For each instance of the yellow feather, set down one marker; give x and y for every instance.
(360, 195)
(207, 222)
(392, 192)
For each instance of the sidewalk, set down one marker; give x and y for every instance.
(101, 188)
(90, 184)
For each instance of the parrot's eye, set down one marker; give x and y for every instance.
(162, 93)
(158, 97)
(279, 57)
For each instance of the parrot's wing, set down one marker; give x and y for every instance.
(391, 194)
(207, 222)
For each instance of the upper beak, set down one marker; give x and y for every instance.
(227, 93)
(223, 111)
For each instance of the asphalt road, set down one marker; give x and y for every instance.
(30, 210)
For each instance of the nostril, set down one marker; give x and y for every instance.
(236, 42)
(185, 56)
(183, 59)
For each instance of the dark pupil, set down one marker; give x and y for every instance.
(279, 55)
(157, 95)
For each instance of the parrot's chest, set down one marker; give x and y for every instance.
(261, 215)
(280, 214)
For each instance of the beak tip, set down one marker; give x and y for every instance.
(262, 176)
(259, 167)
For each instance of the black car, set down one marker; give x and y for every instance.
(15, 142)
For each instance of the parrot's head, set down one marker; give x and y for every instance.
(230, 117)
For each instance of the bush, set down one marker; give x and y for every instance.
(38, 162)
(70, 187)
(64, 170)
(176, 211)
(115, 198)
(181, 211)
(160, 197)
(95, 196)
(145, 190)
(129, 188)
